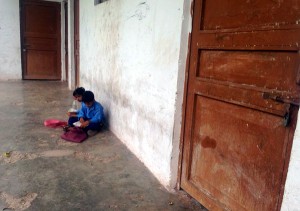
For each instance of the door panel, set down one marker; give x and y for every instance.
(241, 163)
(242, 102)
(40, 63)
(41, 46)
(256, 40)
(240, 95)
(229, 14)
(267, 69)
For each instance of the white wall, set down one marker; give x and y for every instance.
(291, 199)
(10, 50)
(129, 53)
(71, 59)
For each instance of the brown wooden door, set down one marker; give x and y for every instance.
(242, 98)
(76, 41)
(41, 42)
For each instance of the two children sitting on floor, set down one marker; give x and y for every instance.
(90, 116)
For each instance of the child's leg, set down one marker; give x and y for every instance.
(93, 126)
(72, 120)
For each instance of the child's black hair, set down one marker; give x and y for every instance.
(78, 91)
(88, 96)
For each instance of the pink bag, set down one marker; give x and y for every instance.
(54, 123)
(75, 134)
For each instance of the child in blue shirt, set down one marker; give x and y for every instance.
(91, 114)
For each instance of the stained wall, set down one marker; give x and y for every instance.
(129, 56)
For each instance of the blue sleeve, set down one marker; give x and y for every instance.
(98, 115)
(81, 111)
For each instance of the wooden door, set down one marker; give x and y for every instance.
(76, 41)
(41, 42)
(242, 99)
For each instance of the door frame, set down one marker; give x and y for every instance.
(70, 48)
(66, 40)
(23, 65)
(77, 41)
(183, 76)
(66, 34)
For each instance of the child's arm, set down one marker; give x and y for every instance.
(98, 117)
(71, 114)
(81, 113)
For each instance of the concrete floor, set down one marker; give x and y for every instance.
(44, 172)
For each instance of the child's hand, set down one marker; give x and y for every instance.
(85, 124)
(81, 120)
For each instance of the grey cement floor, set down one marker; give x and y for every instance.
(44, 172)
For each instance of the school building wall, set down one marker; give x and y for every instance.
(133, 57)
(129, 56)
(10, 47)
